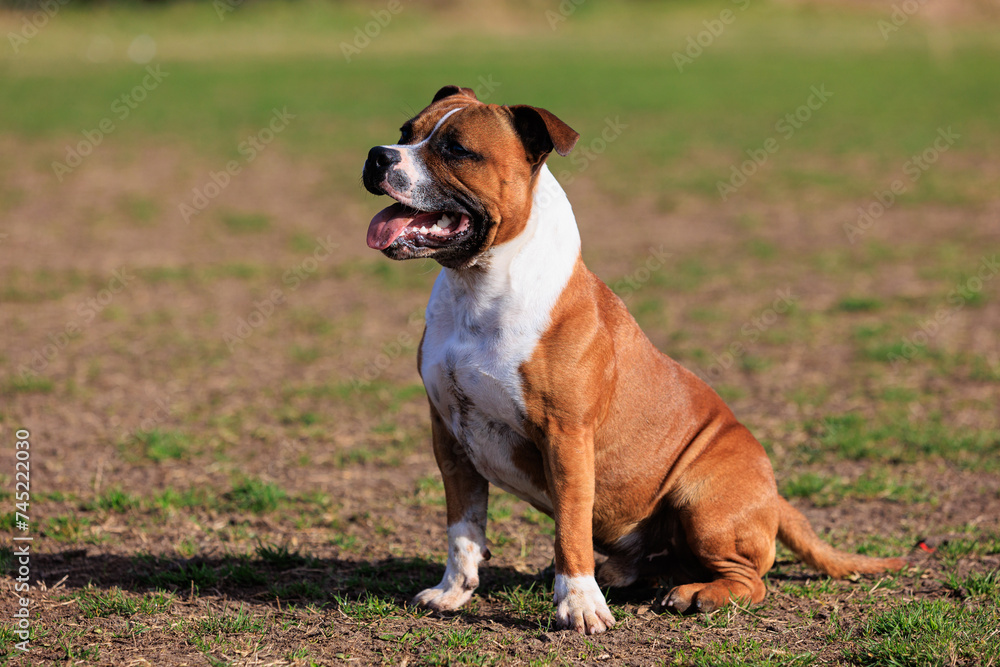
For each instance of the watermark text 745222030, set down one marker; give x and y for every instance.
(22, 549)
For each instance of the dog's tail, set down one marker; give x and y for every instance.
(796, 533)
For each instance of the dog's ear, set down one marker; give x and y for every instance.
(541, 132)
(448, 91)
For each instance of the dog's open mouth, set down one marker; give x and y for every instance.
(434, 229)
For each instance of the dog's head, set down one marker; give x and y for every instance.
(462, 173)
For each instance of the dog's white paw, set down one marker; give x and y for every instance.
(580, 605)
(466, 550)
(446, 596)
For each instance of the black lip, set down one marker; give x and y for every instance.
(427, 242)
(431, 242)
(458, 252)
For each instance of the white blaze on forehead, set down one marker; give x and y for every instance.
(409, 163)
(428, 137)
(439, 124)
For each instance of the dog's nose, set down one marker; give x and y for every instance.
(382, 158)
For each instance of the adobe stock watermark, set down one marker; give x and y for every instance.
(406, 340)
(581, 158)
(584, 155)
(786, 127)
(33, 23)
(913, 169)
(696, 44)
(901, 14)
(21, 618)
(957, 298)
(363, 35)
(565, 9)
(249, 149)
(121, 108)
(485, 87)
(292, 279)
(159, 415)
(750, 333)
(656, 259)
(225, 7)
(86, 310)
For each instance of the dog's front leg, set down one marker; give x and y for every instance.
(466, 493)
(580, 605)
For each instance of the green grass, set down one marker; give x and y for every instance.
(194, 575)
(281, 557)
(976, 544)
(226, 622)
(702, 119)
(114, 602)
(300, 653)
(246, 223)
(366, 607)
(457, 646)
(876, 483)
(160, 445)
(66, 527)
(247, 494)
(299, 590)
(114, 500)
(305, 355)
(895, 437)
(740, 652)
(171, 499)
(243, 573)
(533, 601)
(928, 632)
(811, 589)
(859, 304)
(7, 560)
(139, 210)
(79, 654)
(29, 385)
(255, 496)
(977, 585)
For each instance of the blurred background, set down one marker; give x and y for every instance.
(797, 199)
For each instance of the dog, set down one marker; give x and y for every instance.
(540, 382)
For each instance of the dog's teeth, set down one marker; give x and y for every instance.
(446, 220)
(435, 228)
(423, 230)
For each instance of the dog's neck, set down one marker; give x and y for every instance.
(527, 274)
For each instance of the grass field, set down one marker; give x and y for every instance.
(229, 447)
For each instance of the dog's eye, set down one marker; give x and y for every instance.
(458, 150)
(405, 134)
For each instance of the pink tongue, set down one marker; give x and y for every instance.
(387, 225)
(390, 222)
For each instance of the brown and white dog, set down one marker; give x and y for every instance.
(541, 383)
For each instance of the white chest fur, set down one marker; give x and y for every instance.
(483, 324)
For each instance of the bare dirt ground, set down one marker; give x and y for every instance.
(237, 438)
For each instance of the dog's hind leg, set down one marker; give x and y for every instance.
(730, 521)
(618, 571)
